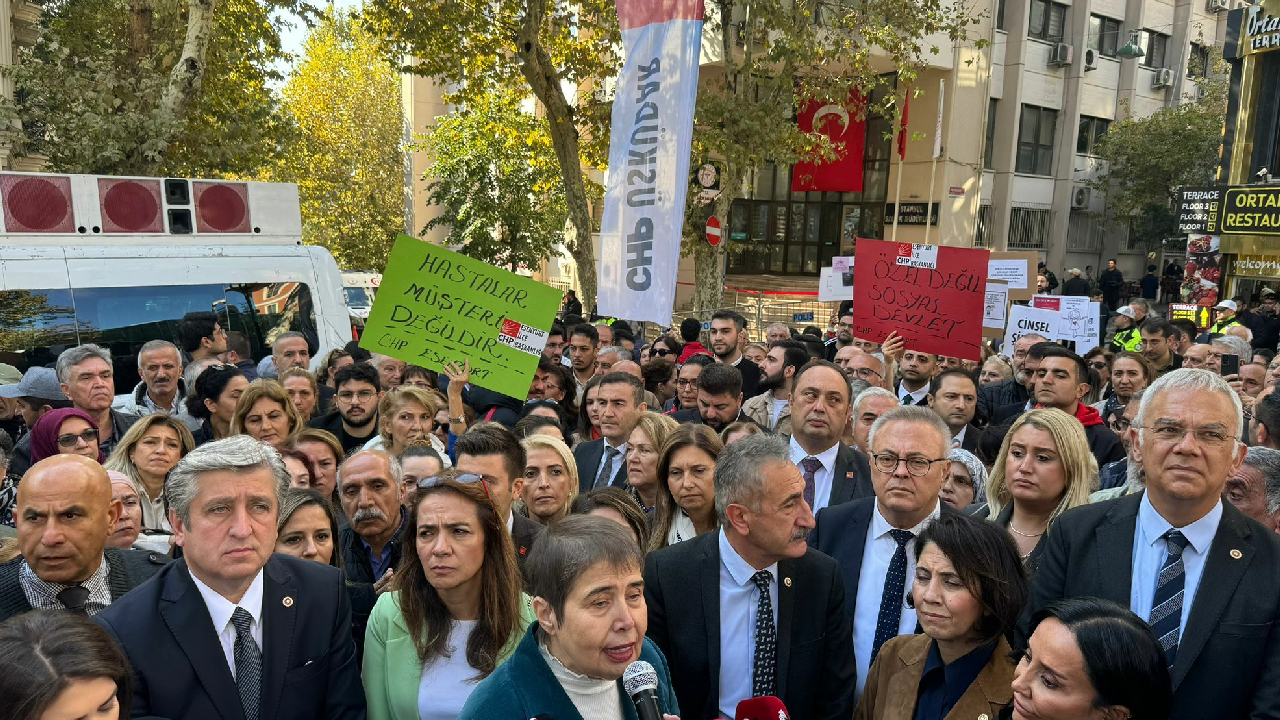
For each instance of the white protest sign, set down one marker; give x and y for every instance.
(835, 285)
(1013, 272)
(996, 306)
(1077, 319)
(1024, 320)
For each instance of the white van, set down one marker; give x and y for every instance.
(120, 261)
(360, 287)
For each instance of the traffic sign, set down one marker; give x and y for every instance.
(713, 230)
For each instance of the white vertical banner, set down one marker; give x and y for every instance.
(648, 178)
(937, 128)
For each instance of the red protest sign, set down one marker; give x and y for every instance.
(930, 295)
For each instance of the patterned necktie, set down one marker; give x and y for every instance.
(809, 466)
(764, 666)
(73, 598)
(1166, 609)
(248, 664)
(891, 601)
(606, 467)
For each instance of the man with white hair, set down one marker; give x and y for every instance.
(1203, 575)
(389, 370)
(162, 388)
(87, 378)
(370, 495)
(867, 407)
(1255, 488)
(777, 332)
(1014, 390)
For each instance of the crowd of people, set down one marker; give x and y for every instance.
(858, 529)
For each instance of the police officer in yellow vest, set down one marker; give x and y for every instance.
(1127, 336)
(1226, 316)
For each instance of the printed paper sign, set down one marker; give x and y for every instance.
(937, 309)
(1024, 320)
(832, 286)
(436, 307)
(1077, 318)
(918, 256)
(841, 264)
(996, 306)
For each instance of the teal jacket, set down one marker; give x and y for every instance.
(391, 669)
(524, 687)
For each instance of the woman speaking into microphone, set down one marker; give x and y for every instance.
(588, 594)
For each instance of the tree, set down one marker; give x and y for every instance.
(347, 156)
(151, 87)
(793, 51)
(498, 181)
(1149, 158)
(536, 47)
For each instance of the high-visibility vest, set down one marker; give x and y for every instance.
(1130, 340)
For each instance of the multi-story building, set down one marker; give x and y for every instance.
(18, 20)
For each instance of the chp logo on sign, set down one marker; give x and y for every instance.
(713, 230)
(526, 339)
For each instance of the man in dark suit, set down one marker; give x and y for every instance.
(371, 499)
(1203, 575)
(909, 464)
(750, 610)
(1017, 389)
(603, 462)
(954, 396)
(917, 370)
(719, 399)
(498, 458)
(231, 631)
(833, 472)
(64, 514)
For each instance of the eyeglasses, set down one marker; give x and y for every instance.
(465, 479)
(363, 396)
(686, 383)
(439, 426)
(69, 441)
(864, 372)
(1120, 425)
(660, 352)
(917, 466)
(1098, 365)
(1173, 434)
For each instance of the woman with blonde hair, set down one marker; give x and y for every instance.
(1044, 468)
(265, 412)
(407, 414)
(550, 478)
(145, 454)
(686, 497)
(643, 446)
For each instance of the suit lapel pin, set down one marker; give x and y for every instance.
(848, 476)
(1236, 554)
(786, 581)
(983, 716)
(287, 601)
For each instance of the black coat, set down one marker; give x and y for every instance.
(126, 569)
(1076, 285)
(588, 456)
(851, 476)
(996, 395)
(355, 558)
(309, 666)
(815, 668)
(692, 415)
(1228, 663)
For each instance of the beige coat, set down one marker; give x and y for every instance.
(894, 681)
(760, 407)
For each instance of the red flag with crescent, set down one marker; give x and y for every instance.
(848, 134)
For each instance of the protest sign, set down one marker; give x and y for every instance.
(436, 306)
(931, 295)
(1017, 269)
(1024, 320)
(995, 309)
(1077, 319)
(835, 283)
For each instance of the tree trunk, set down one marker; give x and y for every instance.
(140, 16)
(187, 73)
(539, 70)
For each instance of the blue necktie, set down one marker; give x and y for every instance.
(248, 664)
(1166, 609)
(809, 468)
(895, 583)
(764, 664)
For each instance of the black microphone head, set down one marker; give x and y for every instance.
(639, 676)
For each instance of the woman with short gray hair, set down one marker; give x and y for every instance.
(589, 598)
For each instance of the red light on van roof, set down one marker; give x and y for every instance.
(37, 204)
(221, 207)
(130, 206)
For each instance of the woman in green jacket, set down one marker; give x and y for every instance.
(456, 611)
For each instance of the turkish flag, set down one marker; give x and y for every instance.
(848, 135)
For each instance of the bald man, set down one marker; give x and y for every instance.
(632, 368)
(64, 514)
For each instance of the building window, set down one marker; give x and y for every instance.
(988, 148)
(1153, 46)
(1104, 35)
(1000, 15)
(1091, 131)
(1199, 64)
(1035, 140)
(1048, 21)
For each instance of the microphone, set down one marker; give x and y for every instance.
(766, 707)
(641, 683)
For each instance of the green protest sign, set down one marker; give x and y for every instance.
(435, 307)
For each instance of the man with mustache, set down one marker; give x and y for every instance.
(833, 472)
(161, 388)
(873, 539)
(370, 496)
(750, 610)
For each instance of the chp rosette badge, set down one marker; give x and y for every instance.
(522, 337)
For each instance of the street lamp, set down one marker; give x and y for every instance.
(1131, 50)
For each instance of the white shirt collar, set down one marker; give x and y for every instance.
(826, 457)
(1199, 533)
(881, 527)
(738, 568)
(958, 438)
(220, 608)
(917, 397)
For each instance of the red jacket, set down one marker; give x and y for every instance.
(692, 349)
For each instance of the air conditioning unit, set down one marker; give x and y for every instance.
(1162, 78)
(1216, 6)
(1090, 59)
(1061, 55)
(1080, 198)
